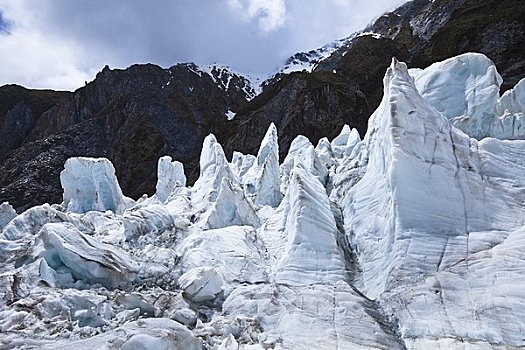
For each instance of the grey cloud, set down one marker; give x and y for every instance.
(239, 33)
(164, 32)
(4, 24)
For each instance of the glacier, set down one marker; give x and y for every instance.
(412, 237)
(465, 89)
(170, 175)
(91, 184)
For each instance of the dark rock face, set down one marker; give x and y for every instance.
(318, 104)
(434, 31)
(20, 110)
(30, 174)
(130, 116)
(136, 115)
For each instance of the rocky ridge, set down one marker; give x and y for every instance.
(130, 116)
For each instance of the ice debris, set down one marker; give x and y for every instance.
(201, 284)
(85, 258)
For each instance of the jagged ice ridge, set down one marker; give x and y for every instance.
(411, 238)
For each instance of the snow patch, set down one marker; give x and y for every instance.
(230, 115)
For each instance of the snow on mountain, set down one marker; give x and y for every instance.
(252, 83)
(424, 25)
(306, 61)
(230, 115)
(228, 78)
(411, 238)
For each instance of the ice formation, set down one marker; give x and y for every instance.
(214, 168)
(81, 258)
(411, 238)
(91, 184)
(170, 175)
(301, 237)
(302, 152)
(262, 180)
(231, 208)
(201, 284)
(465, 89)
(345, 142)
(7, 213)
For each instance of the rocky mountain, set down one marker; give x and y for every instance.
(410, 238)
(133, 116)
(20, 110)
(130, 116)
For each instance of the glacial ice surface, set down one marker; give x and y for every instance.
(170, 175)
(91, 184)
(261, 181)
(466, 88)
(7, 213)
(410, 238)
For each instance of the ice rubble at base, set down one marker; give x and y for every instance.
(411, 238)
(84, 258)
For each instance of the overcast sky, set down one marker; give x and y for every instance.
(60, 44)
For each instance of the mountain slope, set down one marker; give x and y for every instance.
(20, 109)
(131, 116)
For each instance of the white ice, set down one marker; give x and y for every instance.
(411, 238)
(91, 184)
(262, 180)
(7, 213)
(85, 258)
(201, 284)
(345, 142)
(301, 236)
(170, 175)
(230, 115)
(231, 208)
(465, 89)
(302, 152)
(213, 169)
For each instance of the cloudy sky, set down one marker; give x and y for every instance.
(60, 44)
